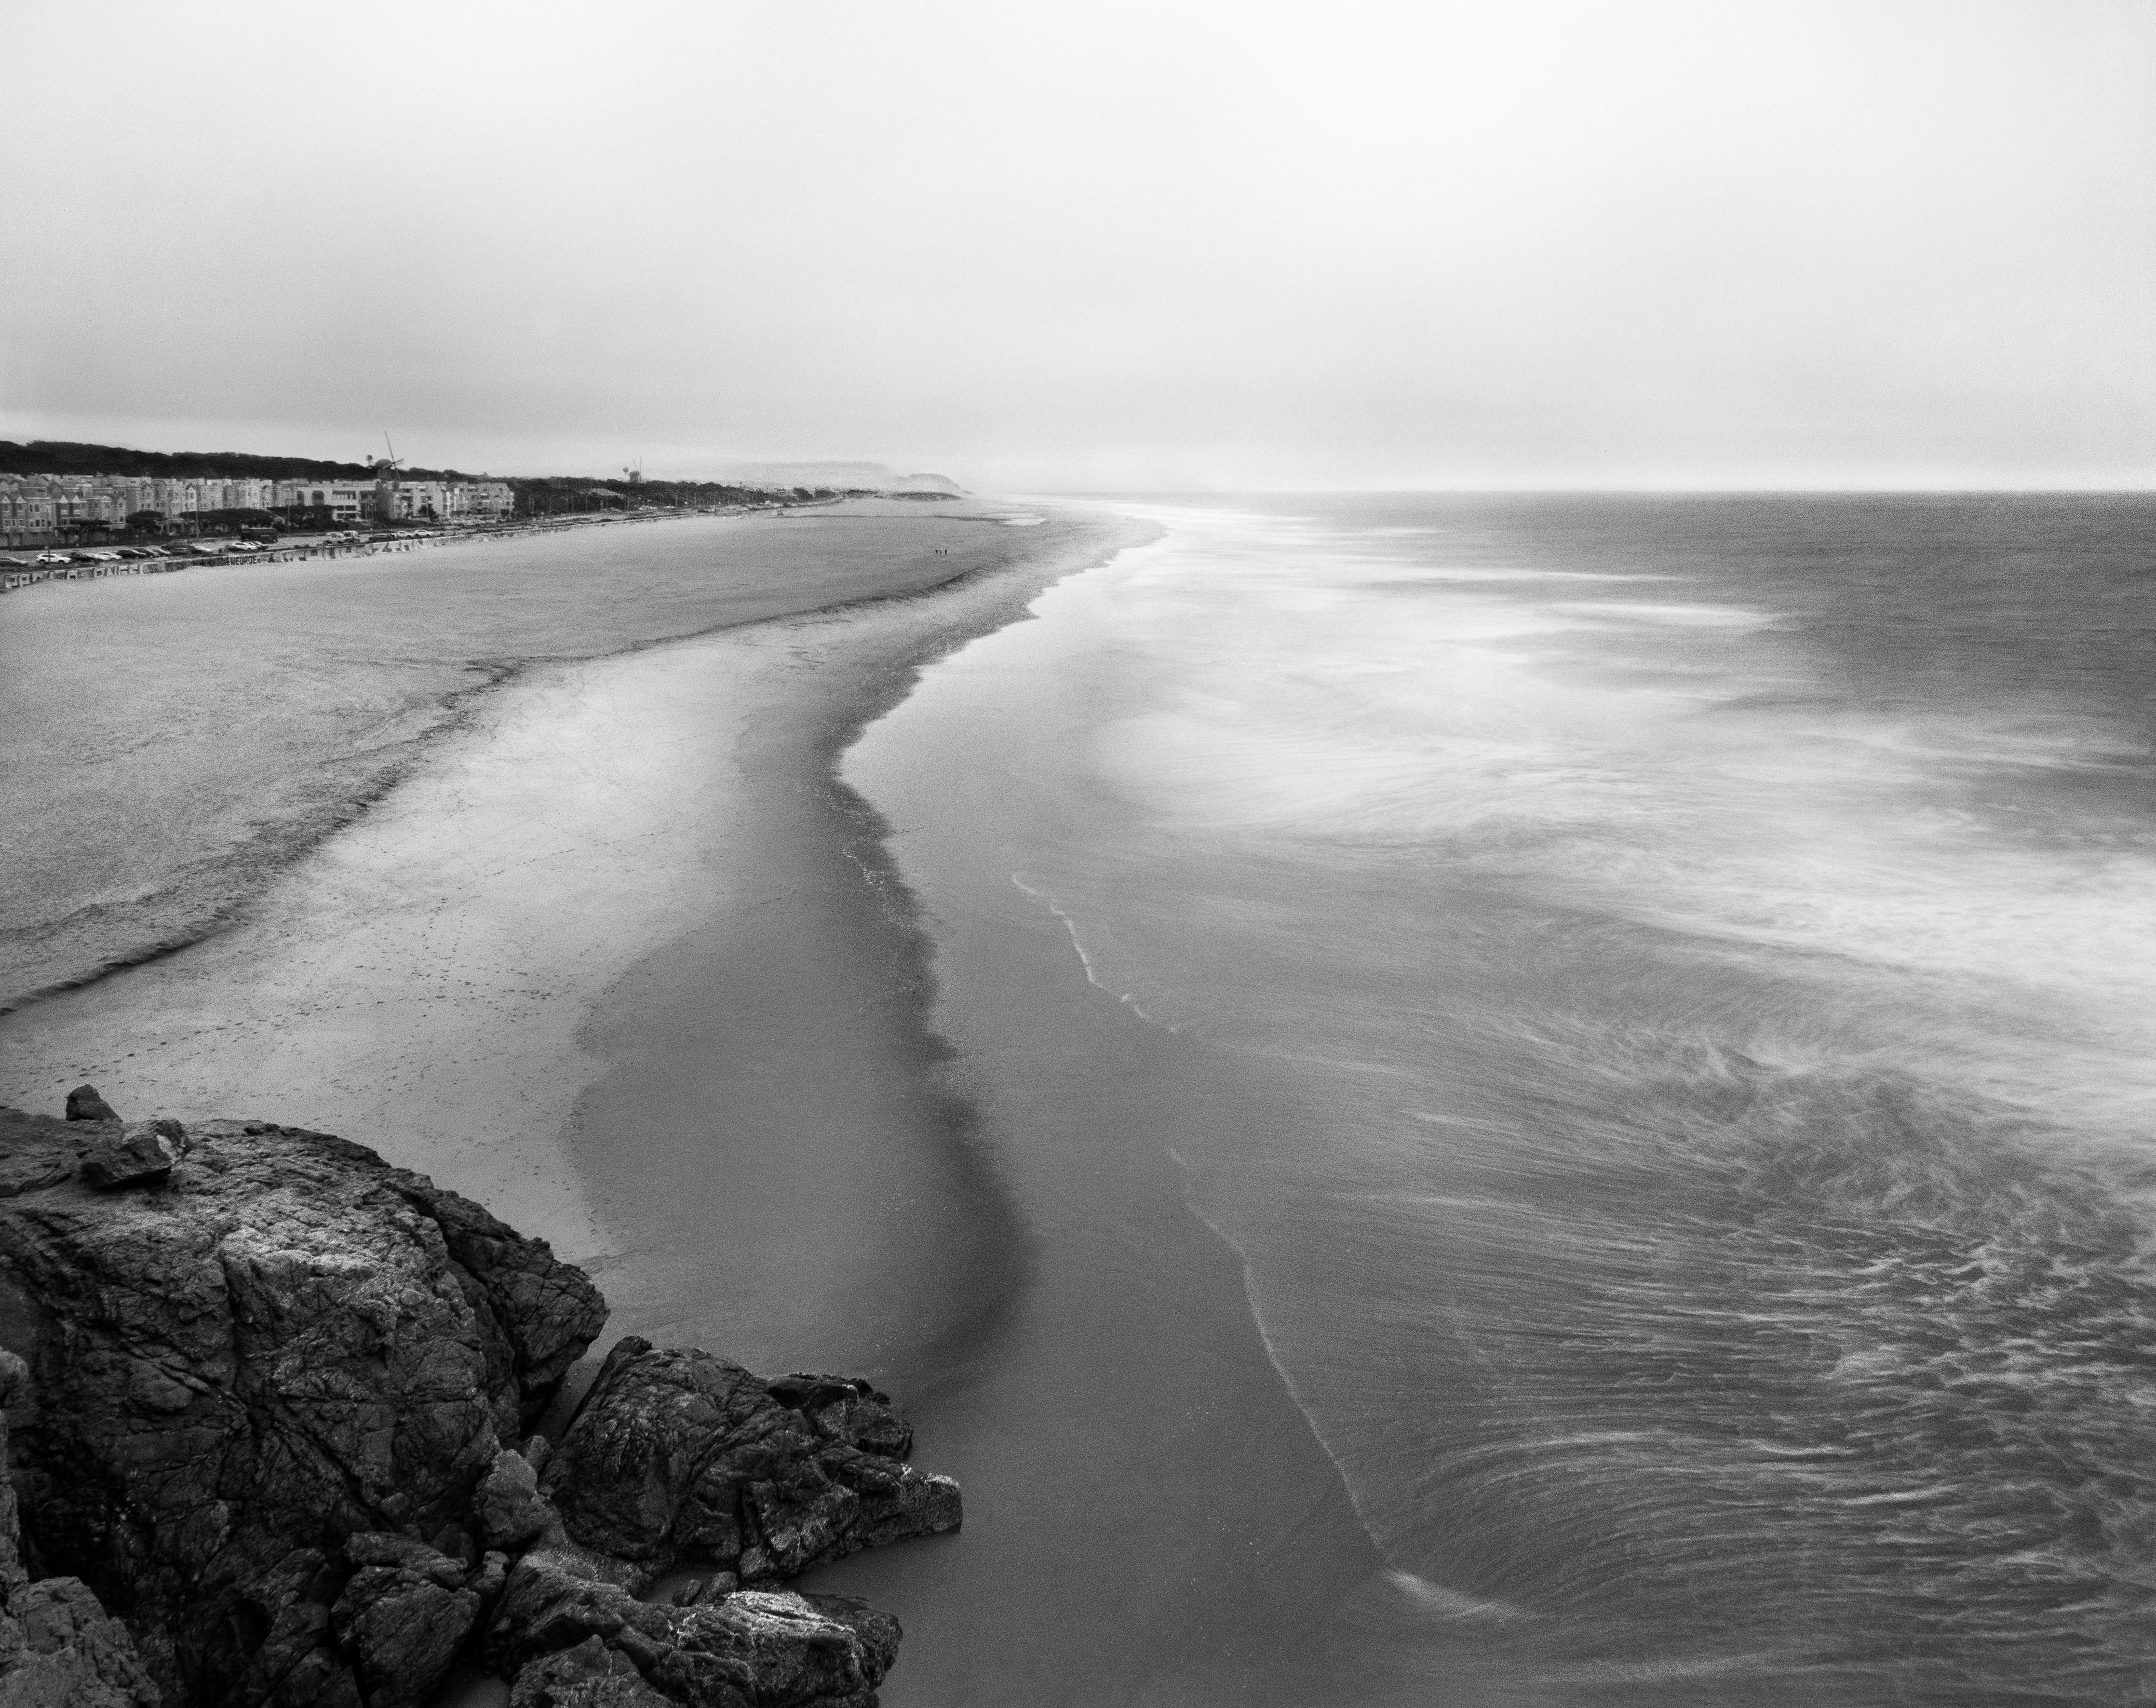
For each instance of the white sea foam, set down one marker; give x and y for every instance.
(1290, 698)
(1681, 1096)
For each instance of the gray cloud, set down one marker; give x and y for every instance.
(1347, 244)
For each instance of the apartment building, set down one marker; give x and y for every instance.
(43, 510)
(26, 517)
(482, 500)
(346, 501)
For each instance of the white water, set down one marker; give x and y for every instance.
(1695, 1112)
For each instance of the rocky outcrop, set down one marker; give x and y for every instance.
(678, 1456)
(403, 1615)
(274, 1343)
(140, 1154)
(59, 1647)
(590, 1675)
(277, 1420)
(734, 1649)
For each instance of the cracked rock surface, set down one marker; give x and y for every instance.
(59, 1647)
(680, 1455)
(267, 1448)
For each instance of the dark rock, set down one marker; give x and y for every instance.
(456, 1542)
(14, 1378)
(557, 1597)
(17, 1178)
(590, 1675)
(507, 1505)
(84, 1103)
(486, 1582)
(847, 1410)
(715, 1588)
(253, 1390)
(141, 1153)
(389, 1550)
(678, 1455)
(299, 1663)
(59, 1647)
(289, 1344)
(749, 1649)
(777, 1650)
(403, 1624)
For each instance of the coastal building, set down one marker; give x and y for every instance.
(414, 500)
(50, 509)
(26, 517)
(128, 495)
(46, 509)
(345, 501)
(482, 500)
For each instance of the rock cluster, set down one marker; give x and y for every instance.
(681, 1456)
(276, 1417)
(58, 1646)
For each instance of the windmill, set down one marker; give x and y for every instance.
(383, 466)
(635, 475)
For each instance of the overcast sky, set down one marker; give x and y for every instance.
(1042, 245)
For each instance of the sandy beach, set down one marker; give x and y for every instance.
(438, 978)
(621, 958)
(192, 737)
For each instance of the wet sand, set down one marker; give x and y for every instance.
(176, 742)
(623, 960)
(433, 980)
(1150, 1519)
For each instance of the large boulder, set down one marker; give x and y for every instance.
(562, 1595)
(84, 1103)
(287, 1343)
(795, 1651)
(590, 1675)
(141, 1153)
(681, 1457)
(750, 1648)
(402, 1616)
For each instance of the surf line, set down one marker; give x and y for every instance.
(1086, 960)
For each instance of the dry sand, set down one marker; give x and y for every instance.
(175, 741)
(424, 981)
(623, 961)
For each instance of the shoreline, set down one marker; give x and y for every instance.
(827, 1203)
(419, 978)
(725, 1085)
(408, 684)
(1152, 1518)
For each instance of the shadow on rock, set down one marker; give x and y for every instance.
(274, 1420)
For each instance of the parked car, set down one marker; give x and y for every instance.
(207, 549)
(53, 559)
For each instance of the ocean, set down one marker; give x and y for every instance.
(1657, 994)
